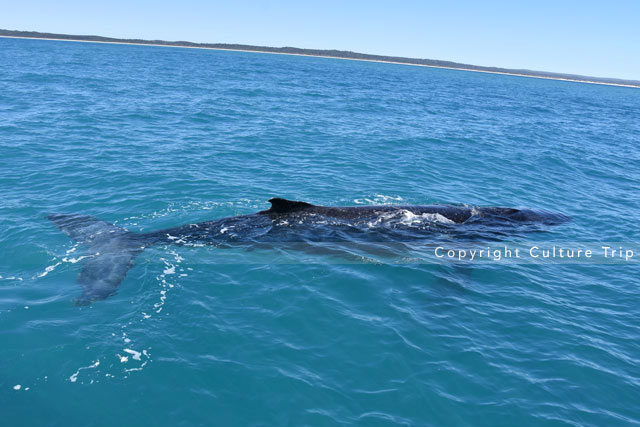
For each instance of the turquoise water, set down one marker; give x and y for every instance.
(152, 137)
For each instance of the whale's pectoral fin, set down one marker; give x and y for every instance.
(279, 205)
(112, 250)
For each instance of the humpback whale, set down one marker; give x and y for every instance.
(112, 249)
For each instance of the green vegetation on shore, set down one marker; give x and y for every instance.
(326, 53)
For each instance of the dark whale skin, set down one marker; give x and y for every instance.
(112, 249)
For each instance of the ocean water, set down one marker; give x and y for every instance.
(153, 137)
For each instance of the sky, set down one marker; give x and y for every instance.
(593, 38)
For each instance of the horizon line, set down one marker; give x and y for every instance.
(338, 54)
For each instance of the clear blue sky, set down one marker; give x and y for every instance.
(597, 38)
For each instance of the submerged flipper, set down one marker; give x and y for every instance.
(112, 250)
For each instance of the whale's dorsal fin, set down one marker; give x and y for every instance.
(279, 205)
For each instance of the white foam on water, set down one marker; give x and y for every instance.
(138, 369)
(384, 217)
(177, 257)
(49, 269)
(176, 239)
(378, 199)
(195, 245)
(409, 218)
(170, 269)
(73, 378)
(134, 354)
(74, 260)
(11, 278)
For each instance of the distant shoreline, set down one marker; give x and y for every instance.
(333, 54)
